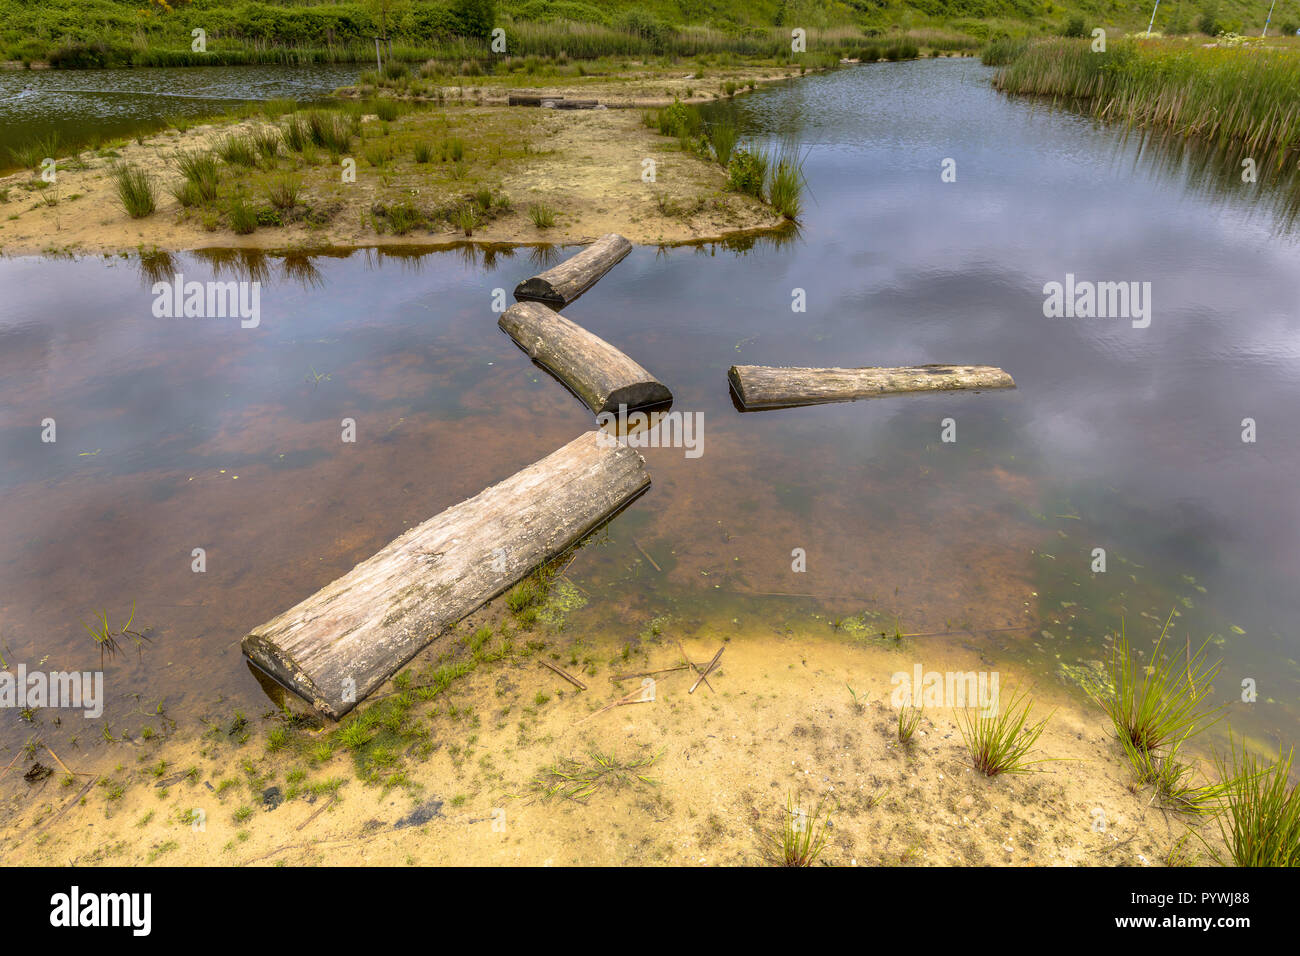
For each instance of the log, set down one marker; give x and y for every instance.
(530, 99)
(759, 386)
(345, 640)
(599, 374)
(563, 104)
(560, 285)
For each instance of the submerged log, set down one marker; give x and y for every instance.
(759, 386)
(560, 285)
(341, 643)
(599, 374)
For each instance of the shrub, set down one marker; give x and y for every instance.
(747, 171)
(1075, 28)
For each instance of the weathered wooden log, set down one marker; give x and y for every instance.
(531, 99)
(345, 640)
(758, 386)
(561, 284)
(599, 374)
(563, 104)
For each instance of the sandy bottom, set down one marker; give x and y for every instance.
(799, 712)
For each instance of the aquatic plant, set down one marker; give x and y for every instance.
(1260, 823)
(722, 139)
(909, 718)
(801, 838)
(1003, 50)
(30, 154)
(747, 170)
(785, 187)
(1001, 742)
(135, 190)
(579, 781)
(1243, 94)
(1164, 705)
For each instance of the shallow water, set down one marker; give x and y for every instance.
(175, 434)
(79, 105)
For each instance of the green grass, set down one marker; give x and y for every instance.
(1260, 823)
(801, 838)
(201, 176)
(1161, 704)
(1242, 94)
(786, 183)
(580, 780)
(909, 718)
(1002, 742)
(135, 190)
(285, 192)
(542, 215)
(243, 217)
(237, 150)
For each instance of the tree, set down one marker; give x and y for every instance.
(474, 18)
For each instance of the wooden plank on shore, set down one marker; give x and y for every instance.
(599, 374)
(345, 640)
(561, 284)
(759, 386)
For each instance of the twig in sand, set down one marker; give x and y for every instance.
(565, 674)
(687, 658)
(645, 554)
(712, 664)
(319, 810)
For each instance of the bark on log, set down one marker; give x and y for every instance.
(599, 374)
(759, 386)
(356, 632)
(560, 285)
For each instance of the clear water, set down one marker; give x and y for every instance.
(182, 433)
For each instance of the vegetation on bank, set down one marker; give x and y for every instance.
(1243, 93)
(96, 33)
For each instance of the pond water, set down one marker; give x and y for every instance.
(79, 106)
(176, 434)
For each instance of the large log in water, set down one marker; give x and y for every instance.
(559, 286)
(599, 374)
(345, 640)
(762, 387)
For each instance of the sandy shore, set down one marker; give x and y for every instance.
(585, 165)
(799, 711)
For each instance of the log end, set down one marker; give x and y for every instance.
(538, 289)
(637, 395)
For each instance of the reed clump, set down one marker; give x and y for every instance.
(1243, 94)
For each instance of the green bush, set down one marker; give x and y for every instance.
(473, 18)
(747, 171)
(1075, 28)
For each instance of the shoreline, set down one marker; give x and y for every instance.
(459, 172)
